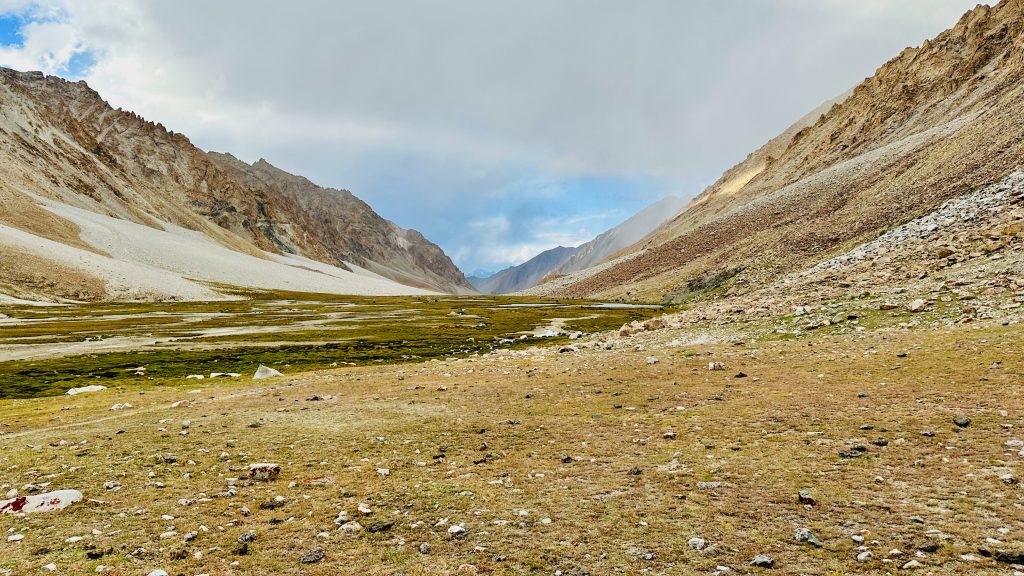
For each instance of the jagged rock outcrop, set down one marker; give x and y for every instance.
(932, 123)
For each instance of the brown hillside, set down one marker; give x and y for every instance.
(931, 124)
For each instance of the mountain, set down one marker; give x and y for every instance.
(526, 274)
(622, 236)
(349, 230)
(97, 203)
(930, 125)
(562, 260)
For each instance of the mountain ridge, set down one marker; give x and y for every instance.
(67, 145)
(566, 260)
(931, 123)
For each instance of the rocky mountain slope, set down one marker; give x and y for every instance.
(561, 260)
(622, 236)
(933, 123)
(72, 167)
(348, 228)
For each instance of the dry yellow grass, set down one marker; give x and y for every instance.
(764, 438)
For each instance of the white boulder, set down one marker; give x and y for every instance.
(265, 372)
(84, 389)
(45, 502)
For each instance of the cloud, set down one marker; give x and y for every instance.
(442, 114)
(46, 42)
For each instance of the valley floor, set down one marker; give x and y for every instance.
(612, 459)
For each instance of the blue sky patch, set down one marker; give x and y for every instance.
(79, 64)
(10, 29)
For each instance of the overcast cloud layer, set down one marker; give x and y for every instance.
(498, 129)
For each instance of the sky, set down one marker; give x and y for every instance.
(498, 129)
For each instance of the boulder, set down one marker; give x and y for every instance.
(264, 471)
(265, 372)
(84, 389)
(45, 502)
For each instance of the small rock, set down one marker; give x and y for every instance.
(375, 527)
(424, 548)
(911, 565)
(1015, 556)
(352, 527)
(697, 543)
(917, 305)
(313, 556)
(805, 535)
(930, 546)
(763, 561)
(456, 531)
(962, 421)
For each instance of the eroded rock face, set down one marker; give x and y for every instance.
(342, 228)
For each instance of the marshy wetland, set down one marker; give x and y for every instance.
(47, 350)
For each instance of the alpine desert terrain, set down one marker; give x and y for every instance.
(814, 367)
